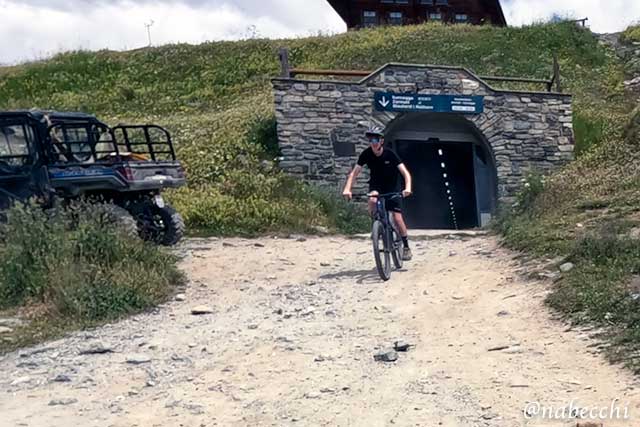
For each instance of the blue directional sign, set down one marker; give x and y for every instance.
(403, 102)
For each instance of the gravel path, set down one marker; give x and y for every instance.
(288, 335)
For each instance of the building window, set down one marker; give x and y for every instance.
(395, 1)
(369, 18)
(435, 16)
(442, 2)
(395, 18)
(461, 17)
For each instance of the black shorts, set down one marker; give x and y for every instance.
(393, 204)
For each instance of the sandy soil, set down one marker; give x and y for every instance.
(291, 339)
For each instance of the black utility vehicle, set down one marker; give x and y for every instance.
(55, 156)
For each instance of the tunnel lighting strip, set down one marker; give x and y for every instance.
(448, 189)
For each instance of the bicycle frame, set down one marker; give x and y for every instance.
(381, 214)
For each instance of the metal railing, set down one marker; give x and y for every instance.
(582, 22)
(286, 72)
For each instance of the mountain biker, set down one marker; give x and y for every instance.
(385, 168)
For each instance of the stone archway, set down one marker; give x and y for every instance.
(453, 166)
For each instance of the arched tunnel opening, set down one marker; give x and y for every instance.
(454, 175)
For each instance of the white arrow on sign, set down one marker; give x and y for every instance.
(384, 102)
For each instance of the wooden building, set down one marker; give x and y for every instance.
(369, 13)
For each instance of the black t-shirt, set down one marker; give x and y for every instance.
(384, 173)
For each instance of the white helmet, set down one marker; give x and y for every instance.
(375, 131)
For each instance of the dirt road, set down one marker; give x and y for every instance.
(291, 339)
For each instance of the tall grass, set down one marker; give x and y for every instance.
(77, 269)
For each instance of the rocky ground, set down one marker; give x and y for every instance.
(286, 334)
(629, 54)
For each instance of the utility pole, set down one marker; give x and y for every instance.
(149, 31)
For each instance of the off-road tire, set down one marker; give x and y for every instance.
(173, 223)
(176, 227)
(380, 252)
(121, 218)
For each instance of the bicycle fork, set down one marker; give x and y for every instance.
(388, 246)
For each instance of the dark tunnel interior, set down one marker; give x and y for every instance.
(443, 184)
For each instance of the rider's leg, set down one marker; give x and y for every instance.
(402, 228)
(372, 205)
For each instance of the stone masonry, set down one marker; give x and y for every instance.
(524, 131)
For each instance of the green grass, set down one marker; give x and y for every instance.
(71, 268)
(632, 34)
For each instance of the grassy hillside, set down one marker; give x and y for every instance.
(216, 99)
(589, 215)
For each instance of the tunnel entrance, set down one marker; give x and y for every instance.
(444, 196)
(454, 178)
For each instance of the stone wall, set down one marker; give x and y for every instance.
(320, 135)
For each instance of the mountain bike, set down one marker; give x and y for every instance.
(386, 239)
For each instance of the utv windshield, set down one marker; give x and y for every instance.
(15, 145)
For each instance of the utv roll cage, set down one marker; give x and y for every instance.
(51, 154)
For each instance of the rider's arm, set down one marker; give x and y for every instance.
(350, 179)
(408, 185)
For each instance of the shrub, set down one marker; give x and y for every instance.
(632, 130)
(597, 289)
(262, 132)
(532, 187)
(76, 264)
(254, 202)
(344, 217)
(631, 34)
(588, 131)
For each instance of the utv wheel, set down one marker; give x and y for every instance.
(122, 219)
(165, 226)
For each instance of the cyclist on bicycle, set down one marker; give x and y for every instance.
(385, 168)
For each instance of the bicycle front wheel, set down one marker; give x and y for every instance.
(381, 251)
(397, 248)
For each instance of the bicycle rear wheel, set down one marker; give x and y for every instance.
(380, 251)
